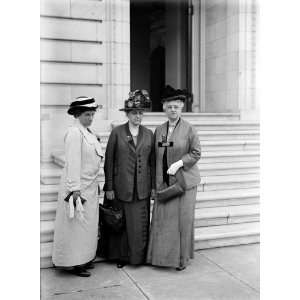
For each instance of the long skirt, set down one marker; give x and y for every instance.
(75, 241)
(171, 242)
(130, 245)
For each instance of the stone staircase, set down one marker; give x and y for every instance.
(227, 207)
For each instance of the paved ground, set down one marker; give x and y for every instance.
(229, 273)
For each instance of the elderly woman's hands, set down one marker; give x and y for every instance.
(110, 195)
(175, 167)
(153, 194)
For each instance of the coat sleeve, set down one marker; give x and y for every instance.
(73, 142)
(110, 161)
(194, 154)
(152, 161)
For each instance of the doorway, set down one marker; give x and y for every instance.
(160, 41)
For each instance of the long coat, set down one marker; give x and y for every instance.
(171, 241)
(75, 241)
(125, 163)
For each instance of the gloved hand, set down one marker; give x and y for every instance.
(75, 195)
(175, 167)
(110, 195)
(153, 194)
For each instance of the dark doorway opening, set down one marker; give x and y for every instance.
(160, 41)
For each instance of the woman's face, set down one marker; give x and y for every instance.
(173, 109)
(135, 117)
(86, 118)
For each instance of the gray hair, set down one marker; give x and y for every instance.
(181, 104)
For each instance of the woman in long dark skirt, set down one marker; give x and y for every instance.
(129, 182)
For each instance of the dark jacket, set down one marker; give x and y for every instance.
(126, 165)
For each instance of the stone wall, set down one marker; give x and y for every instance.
(229, 55)
(84, 51)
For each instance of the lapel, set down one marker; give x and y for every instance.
(175, 129)
(140, 138)
(128, 138)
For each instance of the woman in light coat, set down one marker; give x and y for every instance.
(171, 241)
(76, 224)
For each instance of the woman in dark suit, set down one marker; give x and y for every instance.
(129, 181)
(171, 242)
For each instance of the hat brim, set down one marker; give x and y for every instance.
(129, 109)
(174, 98)
(76, 109)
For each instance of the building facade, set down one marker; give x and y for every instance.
(106, 48)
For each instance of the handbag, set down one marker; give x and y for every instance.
(170, 192)
(112, 218)
(185, 181)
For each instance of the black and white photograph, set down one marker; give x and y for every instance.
(149, 150)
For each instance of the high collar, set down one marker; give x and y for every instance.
(89, 136)
(130, 139)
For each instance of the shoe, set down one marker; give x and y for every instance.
(120, 264)
(89, 266)
(80, 271)
(180, 268)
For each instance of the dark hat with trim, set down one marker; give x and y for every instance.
(82, 104)
(171, 94)
(138, 100)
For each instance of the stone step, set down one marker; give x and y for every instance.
(161, 116)
(205, 237)
(230, 145)
(226, 235)
(208, 135)
(204, 200)
(48, 210)
(205, 125)
(228, 182)
(49, 192)
(206, 157)
(51, 175)
(228, 156)
(215, 145)
(213, 216)
(231, 168)
(46, 255)
(227, 197)
(46, 231)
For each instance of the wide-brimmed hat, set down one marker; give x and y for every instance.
(171, 94)
(81, 104)
(138, 100)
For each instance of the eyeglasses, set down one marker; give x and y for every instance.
(173, 107)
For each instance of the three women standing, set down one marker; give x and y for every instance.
(129, 181)
(76, 224)
(171, 241)
(136, 164)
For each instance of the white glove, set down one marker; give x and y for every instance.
(175, 167)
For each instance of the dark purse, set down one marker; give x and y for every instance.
(112, 218)
(170, 192)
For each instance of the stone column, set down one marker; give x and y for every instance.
(196, 56)
(175, 52)
(248, 104)
(117, 30)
